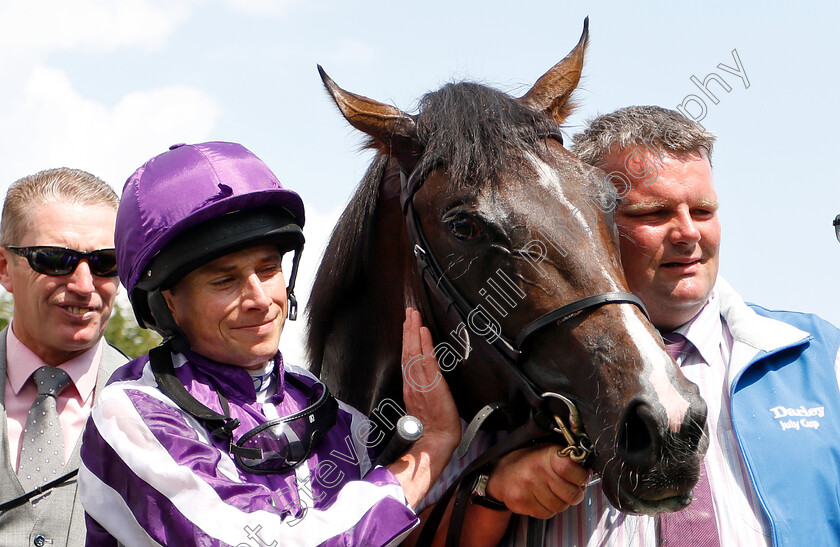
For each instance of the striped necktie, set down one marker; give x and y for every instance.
(696, 524)
(675, 344)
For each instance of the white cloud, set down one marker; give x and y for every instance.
(56, 126)
(44, 25)
(271, 8)
(49, 123)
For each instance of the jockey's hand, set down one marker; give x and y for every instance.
(537, 481)
(428, 399)
(425, 391)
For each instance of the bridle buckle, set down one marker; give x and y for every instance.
(579, 446)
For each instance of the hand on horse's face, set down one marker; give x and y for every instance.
(426, 393)
(537, 481)
(428, 399)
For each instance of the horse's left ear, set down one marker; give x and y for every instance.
(390, 127)
(552, 91)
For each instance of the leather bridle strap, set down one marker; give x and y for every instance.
(435, 280)
(564, 312)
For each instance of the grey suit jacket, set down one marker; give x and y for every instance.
(61, 522)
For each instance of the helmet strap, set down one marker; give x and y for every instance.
(165, 323)
(290, 296)
(290, 289)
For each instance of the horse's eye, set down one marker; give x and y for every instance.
(464, 227)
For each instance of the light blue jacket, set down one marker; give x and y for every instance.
(785, 403)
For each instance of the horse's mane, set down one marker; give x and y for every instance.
(345, 260)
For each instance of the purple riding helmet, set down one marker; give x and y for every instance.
(189, 206)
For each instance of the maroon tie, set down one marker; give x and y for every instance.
(694, 525)
(674, 344)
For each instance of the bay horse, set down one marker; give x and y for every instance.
(473, 212)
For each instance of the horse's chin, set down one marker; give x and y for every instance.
(629, 503)
(657, 491)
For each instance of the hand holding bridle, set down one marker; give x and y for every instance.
(537, 481)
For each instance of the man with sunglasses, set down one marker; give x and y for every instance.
(213, 439)
(57, 259)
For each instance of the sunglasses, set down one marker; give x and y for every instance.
(837, 227)
(58, 261)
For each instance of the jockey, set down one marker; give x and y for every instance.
(212, 439)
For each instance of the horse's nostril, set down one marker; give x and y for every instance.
(637, 440)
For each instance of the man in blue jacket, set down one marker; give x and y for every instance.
(771, 379)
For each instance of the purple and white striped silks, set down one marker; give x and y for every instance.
(152, 475)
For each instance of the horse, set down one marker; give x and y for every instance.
(474, 212)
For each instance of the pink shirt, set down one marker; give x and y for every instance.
(74, 403)
(705, 362)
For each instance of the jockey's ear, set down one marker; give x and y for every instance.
(552, 91)
(391, 129)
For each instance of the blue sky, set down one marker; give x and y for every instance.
(103, 86)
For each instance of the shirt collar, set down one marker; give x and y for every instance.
(703, 330)
(235, 381)
(21, 362)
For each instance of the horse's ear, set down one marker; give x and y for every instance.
(552, 91)
(390, 127)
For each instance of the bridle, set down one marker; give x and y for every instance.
(438, 287)
(544, 423)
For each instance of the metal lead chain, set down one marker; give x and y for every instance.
(579, 449)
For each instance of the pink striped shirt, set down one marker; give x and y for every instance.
(74, 403)
(739, 516)
(595, 523)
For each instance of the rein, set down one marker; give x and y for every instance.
(543, 424)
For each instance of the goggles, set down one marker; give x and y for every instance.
(837, 227)
(275, 446)
(59, 261)
(284, 443)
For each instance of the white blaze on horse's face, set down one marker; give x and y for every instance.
(657, 367)
(657, 363)
(576, 221)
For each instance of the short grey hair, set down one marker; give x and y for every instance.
(50, 185)
(664, 130)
